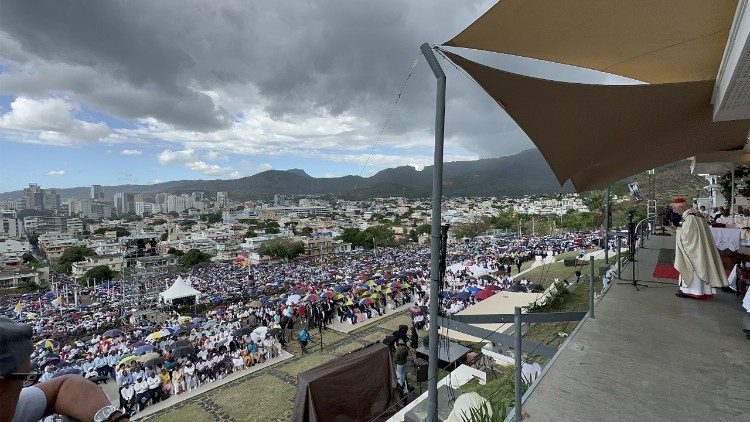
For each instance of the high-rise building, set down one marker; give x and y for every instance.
(11, 228)
(125, 202)
(278, 200)
(222, 198)
(97, 192)
(41, 199)
(197, 196)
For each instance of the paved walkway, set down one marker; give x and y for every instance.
(347, 327)
(650, 356)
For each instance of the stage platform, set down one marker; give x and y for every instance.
(449, 353)
(650, 356)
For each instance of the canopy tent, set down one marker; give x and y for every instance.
(652, 41)
(179, 289)
(596, 135)
(719, 162)
(359, 386)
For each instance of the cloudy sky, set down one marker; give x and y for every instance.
(114, 92)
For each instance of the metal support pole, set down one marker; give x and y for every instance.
(518, 380)
(435, 235)
(591, 286)
(606, 227)
(619, 258)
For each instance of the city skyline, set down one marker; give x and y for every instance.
(232, 97)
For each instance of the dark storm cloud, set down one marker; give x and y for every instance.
(164, 59)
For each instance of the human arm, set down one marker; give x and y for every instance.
(73, 396)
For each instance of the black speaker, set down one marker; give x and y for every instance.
(421, 367)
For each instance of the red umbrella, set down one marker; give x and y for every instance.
(493, 287)
(484, 294)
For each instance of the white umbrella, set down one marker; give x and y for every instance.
(293, 299)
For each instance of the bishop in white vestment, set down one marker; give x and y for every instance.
(696, 256)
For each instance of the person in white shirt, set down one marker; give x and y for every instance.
(141, 393)
(154, 386)
(189, 372)
(127, 397)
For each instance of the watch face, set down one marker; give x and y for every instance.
(104, 413)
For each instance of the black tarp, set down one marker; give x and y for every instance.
(359, 386)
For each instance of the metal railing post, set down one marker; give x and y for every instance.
(591, 286)
(619, 258)
(519, 364)
(435, 233)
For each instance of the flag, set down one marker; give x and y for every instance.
(57, 302)
(19, 307)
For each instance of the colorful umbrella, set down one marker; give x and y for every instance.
(143, 349)
(47, 344)
(366, 301)
(340, 296)
(311, 298)
(154, 336)
(126, 360)
(327, 295)
(349, 303)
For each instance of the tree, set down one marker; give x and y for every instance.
(211, 218)
(30, 260)
(472, 229)
(250, 233)
(71, 255)
(283, 248)
(505, 220)
(272, 230)
(381, 235)
(194, 257)
(422, 229)
(119, 231)
(306, 231)
(164, 236)
(99, 273)
(173, 214)
(176, 252)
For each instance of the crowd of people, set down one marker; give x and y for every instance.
(253, 312)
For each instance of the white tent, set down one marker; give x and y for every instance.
(177, 290)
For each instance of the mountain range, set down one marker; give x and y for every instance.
(525, 173)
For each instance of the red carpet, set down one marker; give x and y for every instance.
(667, 271)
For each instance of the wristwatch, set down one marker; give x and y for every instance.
(104, 413)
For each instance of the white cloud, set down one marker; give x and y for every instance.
(211, 169)
(56, 173)
(155, 181)
(246, 163)
(168, 156)
(130, 152)
(329, 175)
(264, 167)
(50, 120)
(214, 155)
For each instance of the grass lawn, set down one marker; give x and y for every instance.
(307, 361)
(191, 412)
(270, 399)
(577, 300)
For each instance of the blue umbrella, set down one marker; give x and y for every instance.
(444, 294)
(198, 319)
(112, 333)
(473, 289)
(264, 298)
(143, 349)
(343, 288)
(463, 295)
(49, 295)
(67, 371)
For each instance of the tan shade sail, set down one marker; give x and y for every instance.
(596, 135)
(653, 41)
